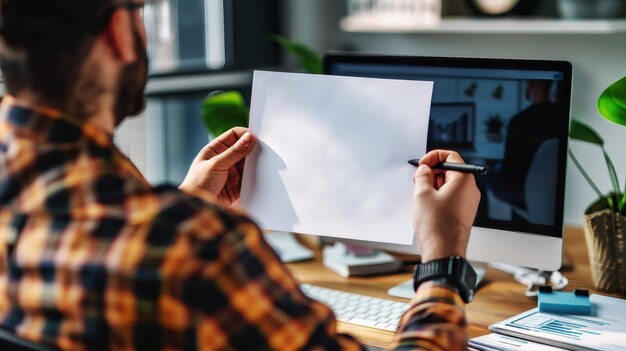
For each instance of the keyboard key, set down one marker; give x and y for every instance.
(363, 322)
(359, 309)
(391, 327)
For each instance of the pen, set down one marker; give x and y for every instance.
(458, 167)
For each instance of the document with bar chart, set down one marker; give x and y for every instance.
(604, 330)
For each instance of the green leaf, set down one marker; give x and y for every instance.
(582, 132)
(223, 111)
(586, 176)
(623, 200)
(613, 176)
(308, 59)
(612, 102)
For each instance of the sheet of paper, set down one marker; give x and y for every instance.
(604, 330)
(331, 157)
(497, 342)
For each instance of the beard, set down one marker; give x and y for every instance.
(130, 99)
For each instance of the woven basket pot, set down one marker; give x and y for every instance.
(604, 232)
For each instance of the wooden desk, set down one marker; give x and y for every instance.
(499, 296)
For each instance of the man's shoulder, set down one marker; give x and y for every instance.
(537, 111)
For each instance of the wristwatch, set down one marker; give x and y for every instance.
(455, 270)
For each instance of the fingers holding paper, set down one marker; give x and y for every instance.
(218, 168)
(444, 206)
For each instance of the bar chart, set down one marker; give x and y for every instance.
(565, 326)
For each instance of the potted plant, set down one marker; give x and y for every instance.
(494, 126)
(605, 221)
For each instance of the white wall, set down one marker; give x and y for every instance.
(598, 60)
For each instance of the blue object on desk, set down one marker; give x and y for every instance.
(576, 302)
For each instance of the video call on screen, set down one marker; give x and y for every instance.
(510, 120)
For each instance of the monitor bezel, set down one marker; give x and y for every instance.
(549, 241)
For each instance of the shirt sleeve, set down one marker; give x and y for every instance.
(247, 299)
(435, 320)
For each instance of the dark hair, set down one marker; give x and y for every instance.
(43, 43)
(545, 83)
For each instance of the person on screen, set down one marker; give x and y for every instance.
(93, 257)
(526, 132)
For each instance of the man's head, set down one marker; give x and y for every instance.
(82, 56)
(538, 90)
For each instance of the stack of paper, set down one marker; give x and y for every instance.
(604, 330)
(497, 342)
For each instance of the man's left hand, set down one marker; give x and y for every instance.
(218, 168)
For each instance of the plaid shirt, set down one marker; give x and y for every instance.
(95, 258)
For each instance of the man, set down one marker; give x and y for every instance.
(530, 128)
(95, 258)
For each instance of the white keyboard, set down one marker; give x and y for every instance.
(359, 309)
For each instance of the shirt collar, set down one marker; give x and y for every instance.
(48, 124)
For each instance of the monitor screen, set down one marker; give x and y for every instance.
(511, 115)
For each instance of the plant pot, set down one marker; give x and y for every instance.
(495, 137)
(605, 236)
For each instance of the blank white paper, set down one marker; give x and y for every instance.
(331, 155)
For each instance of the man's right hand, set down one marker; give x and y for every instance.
(444, 207)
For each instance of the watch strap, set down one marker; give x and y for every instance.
(456, 271)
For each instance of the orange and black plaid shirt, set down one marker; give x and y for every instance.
(92, 257)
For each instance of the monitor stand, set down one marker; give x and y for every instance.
(405, 290)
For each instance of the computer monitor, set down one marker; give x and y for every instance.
(511, 115)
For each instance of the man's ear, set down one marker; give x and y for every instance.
(119, 33)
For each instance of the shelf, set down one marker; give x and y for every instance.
(180, 84)
(488, 26)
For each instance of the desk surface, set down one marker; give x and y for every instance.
(499, 296)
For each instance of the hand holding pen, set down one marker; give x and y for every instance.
(444, 206)
(457, 167)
